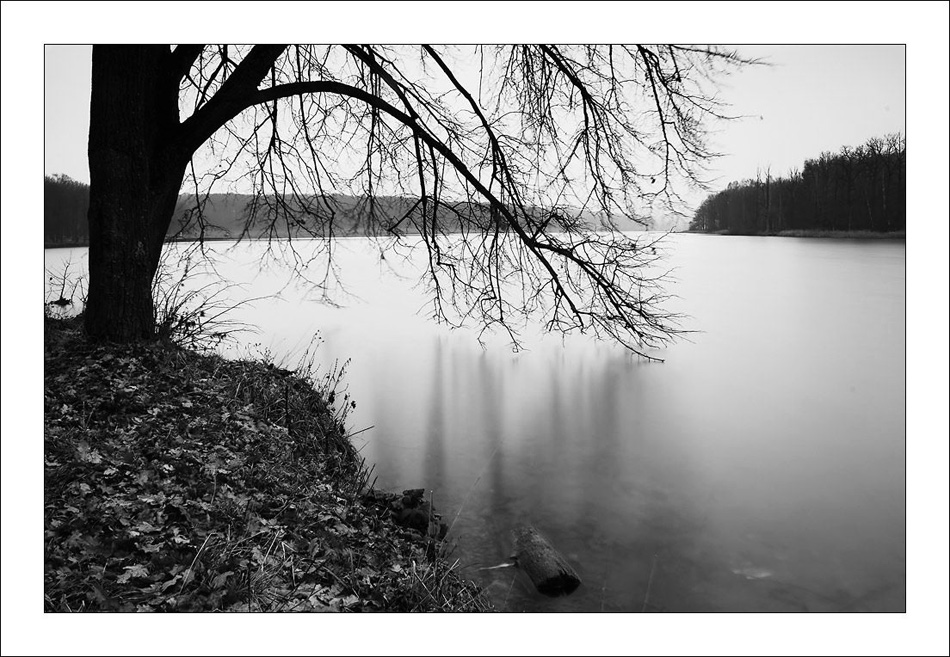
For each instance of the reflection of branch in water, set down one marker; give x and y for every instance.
(510, 586)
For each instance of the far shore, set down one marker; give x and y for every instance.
(218, 238)
(838, 234)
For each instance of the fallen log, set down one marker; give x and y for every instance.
(550, 573)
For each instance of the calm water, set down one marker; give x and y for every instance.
(761, 467)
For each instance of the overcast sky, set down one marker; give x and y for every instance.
(809, 99)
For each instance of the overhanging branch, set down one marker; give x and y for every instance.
(183, 57)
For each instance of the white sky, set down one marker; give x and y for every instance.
(811, 98)
(830, 110)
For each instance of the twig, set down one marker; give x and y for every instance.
(184, 579)
(356, 433)
(646, 597)
(508, 594)
(501, 565)
(472, 489)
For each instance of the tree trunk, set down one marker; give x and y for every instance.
(136, 168)
(550, 573)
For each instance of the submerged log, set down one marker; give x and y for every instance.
(550, 573)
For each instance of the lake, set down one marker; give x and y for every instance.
(761, 467)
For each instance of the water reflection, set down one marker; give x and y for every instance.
(435, 430)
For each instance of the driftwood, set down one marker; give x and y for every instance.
(550, 573)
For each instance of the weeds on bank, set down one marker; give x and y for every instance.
(190, 309)
(65, 291)
(192, 314)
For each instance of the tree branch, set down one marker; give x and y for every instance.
(231, 98)
(183, 57)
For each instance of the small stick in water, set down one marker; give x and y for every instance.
(646, 598)
(501, 565)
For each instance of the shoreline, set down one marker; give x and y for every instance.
(811, 233)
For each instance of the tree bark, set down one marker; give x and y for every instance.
(550, 573)
(136, 167)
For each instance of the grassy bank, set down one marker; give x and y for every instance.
(177, 481)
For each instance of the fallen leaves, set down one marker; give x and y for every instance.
(138, 570)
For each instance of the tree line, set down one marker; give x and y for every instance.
(229, 216)
(65, 206)
(240, 216)
(856, 189)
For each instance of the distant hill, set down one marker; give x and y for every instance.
(239, 215)
(234, 216)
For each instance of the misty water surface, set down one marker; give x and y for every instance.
(761, 467)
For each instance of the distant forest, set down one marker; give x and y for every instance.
(225, 216)
(233, 216)
(856, 189)
(65, 204)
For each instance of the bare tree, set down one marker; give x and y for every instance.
(515, 165)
